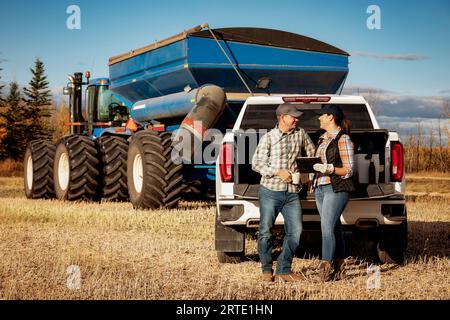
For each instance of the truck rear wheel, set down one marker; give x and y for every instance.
(230, 257)
(76, 169)
(154, 181)
(38, 170)
(229, 243)
(392, 245)
(389, 255)
(114, 151)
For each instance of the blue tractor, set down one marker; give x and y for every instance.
(90, 163)
(142, 129)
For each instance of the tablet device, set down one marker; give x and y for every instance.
(305, 164)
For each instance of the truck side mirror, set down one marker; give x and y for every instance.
(67, 91)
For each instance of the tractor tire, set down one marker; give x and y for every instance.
(154, 181)
(114, 152)
(38, 170)
(76, 169)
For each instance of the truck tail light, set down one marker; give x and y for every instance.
(396, 161)
(226, 162)
(306, 99)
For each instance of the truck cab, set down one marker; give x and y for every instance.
(376, 209)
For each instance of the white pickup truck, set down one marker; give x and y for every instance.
(376, 211)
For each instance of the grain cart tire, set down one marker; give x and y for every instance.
(38, 170)
(114, 152)
(154, 180)
(76, 169)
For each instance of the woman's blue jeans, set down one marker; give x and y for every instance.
(270, 204)
(331, 205)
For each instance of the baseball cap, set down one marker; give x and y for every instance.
(333, 109)
(290, 109)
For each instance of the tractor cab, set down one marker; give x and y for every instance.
(104, 108)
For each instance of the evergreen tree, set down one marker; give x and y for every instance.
(39, 103)
(14, 123)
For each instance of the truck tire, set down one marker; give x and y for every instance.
(154, 181)
(76, 169)
(391, 256)
(230, 257)
(392, 245)
(229, 243)
(38, 170)
(114, 152)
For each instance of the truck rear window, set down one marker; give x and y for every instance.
(262, 116)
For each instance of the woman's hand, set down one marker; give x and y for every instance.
(324, 168)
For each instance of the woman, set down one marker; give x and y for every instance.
(333, 186)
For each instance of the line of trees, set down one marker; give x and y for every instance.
(426, 150)
(25, 114)
(429, 152)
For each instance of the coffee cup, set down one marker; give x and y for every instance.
(296, 178)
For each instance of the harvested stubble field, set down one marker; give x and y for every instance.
(169, 254)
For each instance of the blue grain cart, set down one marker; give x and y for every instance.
(160, 100)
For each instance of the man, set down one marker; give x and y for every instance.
(275, 160)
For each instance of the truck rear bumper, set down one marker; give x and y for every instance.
(361, 213)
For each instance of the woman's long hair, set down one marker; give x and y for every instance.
(342, 122)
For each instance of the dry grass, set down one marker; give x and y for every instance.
(11, 168)
(133, 254)
(428, 187)
(429, 175)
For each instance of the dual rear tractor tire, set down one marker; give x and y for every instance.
(79, 168)
(113, 151)
(76, 169)
(38, 170)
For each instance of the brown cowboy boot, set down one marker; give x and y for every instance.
(267, 276)
(290, 277)
(339, 269)
(326, 271)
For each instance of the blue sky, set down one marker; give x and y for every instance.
(408, 58)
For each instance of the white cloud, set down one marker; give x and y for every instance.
(404, 57)
(407, 126)
(406, 113)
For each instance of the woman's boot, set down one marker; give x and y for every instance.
(339, 269)
(326, 271)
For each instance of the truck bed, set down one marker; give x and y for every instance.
(247, 181)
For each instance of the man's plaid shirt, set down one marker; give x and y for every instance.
(277, 150)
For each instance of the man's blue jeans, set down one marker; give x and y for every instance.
(331, 205)
(270, 204)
